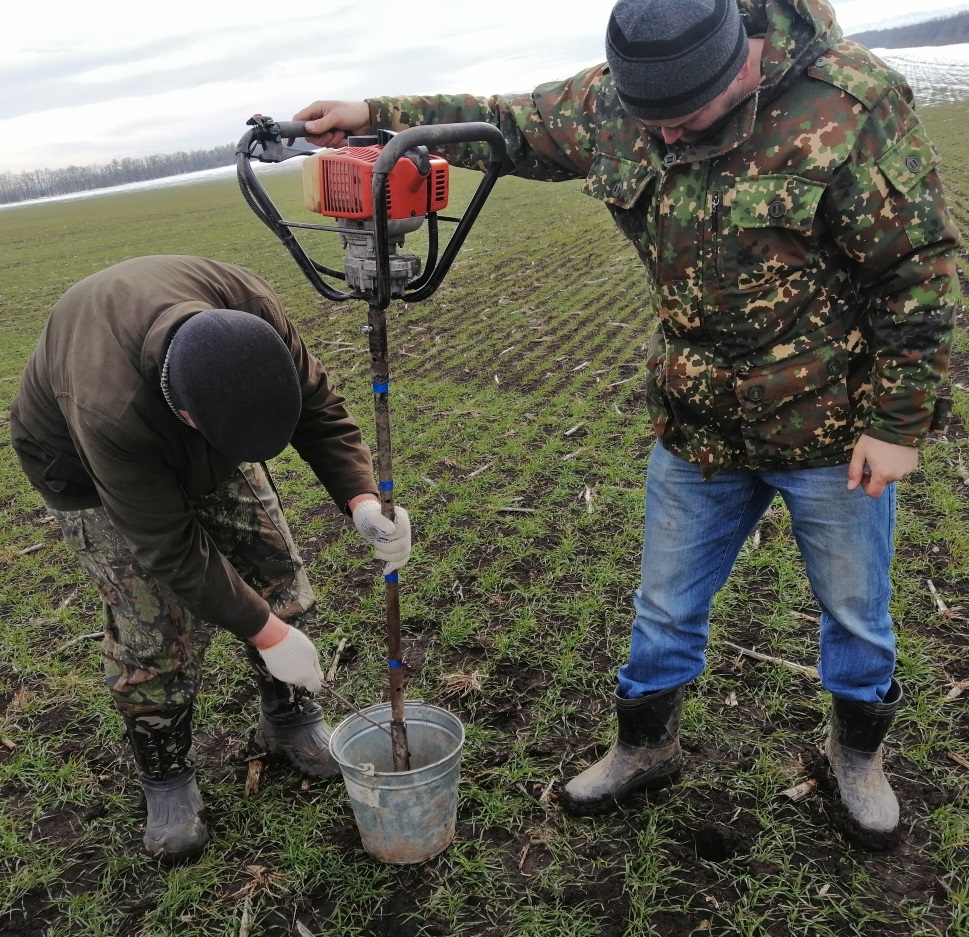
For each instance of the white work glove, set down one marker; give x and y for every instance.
(294, 660)
(390, 538)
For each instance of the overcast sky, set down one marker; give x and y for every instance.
(89, 82)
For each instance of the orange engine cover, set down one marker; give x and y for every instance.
(345, 180)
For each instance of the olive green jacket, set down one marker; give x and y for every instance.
(91, 426)
(798, 259)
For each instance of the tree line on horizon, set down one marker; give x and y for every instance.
(938, 31)
(44, 183)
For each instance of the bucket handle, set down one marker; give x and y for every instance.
(339, 696)
(329, 689)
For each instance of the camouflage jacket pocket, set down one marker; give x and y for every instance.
(767, 235)
(909, 161)
(626, 187)
(796, 408)
(905, 166)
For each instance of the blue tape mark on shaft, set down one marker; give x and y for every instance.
(391, 577)
(394, 664)
(386, 486)
(381, 388)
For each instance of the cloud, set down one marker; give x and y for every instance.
(95, 82)
(101, 93)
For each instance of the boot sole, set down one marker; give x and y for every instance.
(592, 808)
(873, 840)
(843, 822)
(166, 857)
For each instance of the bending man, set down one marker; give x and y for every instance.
(158, 389)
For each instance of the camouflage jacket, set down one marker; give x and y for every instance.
(798, 260)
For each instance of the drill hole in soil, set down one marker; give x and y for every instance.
(711, 843)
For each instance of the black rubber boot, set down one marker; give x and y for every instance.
(162, 746)
(646, 755)
(176, 827)
(291, 724)
(854, 752)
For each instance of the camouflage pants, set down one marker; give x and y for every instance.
(153, 648)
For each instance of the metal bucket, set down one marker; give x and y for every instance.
(403, 816)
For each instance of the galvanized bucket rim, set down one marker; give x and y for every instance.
(385, 708)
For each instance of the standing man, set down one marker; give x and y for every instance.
(158, 389)
(784, 200)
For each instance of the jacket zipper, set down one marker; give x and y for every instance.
(715, 231)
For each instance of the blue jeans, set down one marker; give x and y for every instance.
(693, 532)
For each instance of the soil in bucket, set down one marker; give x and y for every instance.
(403, 816)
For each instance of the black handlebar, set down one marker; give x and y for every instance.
(437, 135)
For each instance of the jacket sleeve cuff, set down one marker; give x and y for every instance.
(886, 434)
(252, 620)
(342, 488)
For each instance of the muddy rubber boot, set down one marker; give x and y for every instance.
(854, 752)
(162, 746)
(646, 755)
(176, 828)
(291, 724)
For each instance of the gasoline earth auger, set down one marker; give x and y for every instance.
(378, 189)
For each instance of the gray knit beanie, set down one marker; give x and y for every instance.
(235, 376)
(670, 58)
